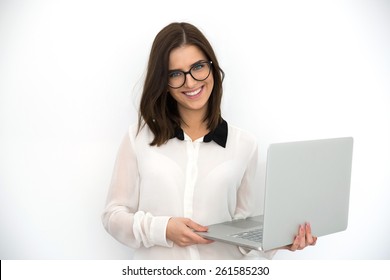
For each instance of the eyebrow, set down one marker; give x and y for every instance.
(192, 65)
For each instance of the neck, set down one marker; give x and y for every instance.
(193, 124)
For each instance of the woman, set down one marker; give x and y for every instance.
(182, 166)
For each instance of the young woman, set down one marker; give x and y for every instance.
(183, 166)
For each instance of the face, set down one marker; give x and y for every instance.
(193, 96)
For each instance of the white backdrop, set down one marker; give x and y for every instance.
(70, 78)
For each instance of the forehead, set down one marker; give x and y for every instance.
(183, 57)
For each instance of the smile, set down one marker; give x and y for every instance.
(193, 93)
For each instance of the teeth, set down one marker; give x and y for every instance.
(193, 92)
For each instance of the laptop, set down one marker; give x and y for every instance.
(306, 181)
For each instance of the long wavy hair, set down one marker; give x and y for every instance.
(158, 109)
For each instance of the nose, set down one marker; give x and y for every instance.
(190, 81)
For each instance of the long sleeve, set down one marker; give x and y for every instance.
(199, 180)
(246, 204)
(247, 191)
(121, 217)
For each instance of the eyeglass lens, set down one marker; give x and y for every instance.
(199, 72)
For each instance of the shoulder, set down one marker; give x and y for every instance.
(241, 134)
(133, 129)
(240, 138)
(132, 132)
(140, 135)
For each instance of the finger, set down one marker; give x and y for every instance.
(302, 236)
(195, 226)
(202, 240)
(309, 236)
(194, 238)
(295, 244)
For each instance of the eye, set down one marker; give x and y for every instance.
(198, 66)
(175, 74)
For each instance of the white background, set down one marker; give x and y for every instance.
(70, 79)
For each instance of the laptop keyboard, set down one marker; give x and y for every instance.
(255, 235)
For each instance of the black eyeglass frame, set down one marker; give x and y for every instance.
(210, 64)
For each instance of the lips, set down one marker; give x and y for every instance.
(193, 93)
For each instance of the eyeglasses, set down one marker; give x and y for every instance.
(199, 72)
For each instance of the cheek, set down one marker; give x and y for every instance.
(173, 94)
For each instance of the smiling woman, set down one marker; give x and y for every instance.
(70, 76)
(193, 93)
(178, 48)
(183, 166)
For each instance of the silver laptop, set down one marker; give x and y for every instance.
(306, 181)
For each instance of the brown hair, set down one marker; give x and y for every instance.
(157, 108)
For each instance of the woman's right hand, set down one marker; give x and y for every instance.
(181, 232)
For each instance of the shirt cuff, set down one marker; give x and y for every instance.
(248, 253)
(158, 229)
(243, 250)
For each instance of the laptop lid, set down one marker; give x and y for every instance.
(306, 181)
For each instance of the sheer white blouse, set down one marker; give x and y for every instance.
(199, 180)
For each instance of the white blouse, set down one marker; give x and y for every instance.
(200, 180)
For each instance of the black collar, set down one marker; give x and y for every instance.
(218, 135)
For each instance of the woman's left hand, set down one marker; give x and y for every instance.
(303, 239)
